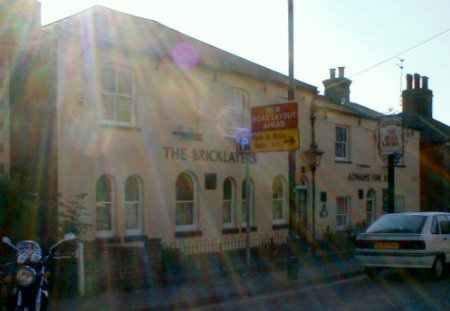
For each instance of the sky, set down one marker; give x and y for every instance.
(352, 33)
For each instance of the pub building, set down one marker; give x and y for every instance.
(141, 122)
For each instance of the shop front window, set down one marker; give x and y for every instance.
(343, 212)
(250, 197)
(185, 202)
(279, 201)
(133, 205)
(371, 206)
(104, 206)
(229, 202)
(399, 203)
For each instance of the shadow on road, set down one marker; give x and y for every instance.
(408, 275)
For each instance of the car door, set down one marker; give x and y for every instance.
(447, 238)
(444, 244)
(435, 240)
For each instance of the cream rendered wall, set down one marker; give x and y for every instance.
(5, 72)
(165, 98)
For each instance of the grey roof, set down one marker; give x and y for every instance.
(364, 111)
(432, 131)
(143, 35)
(354, 109)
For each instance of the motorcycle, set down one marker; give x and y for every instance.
(28, 284)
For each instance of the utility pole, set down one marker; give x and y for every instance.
(243, 141)
(291, 97)
(247, 203)
(391, 183)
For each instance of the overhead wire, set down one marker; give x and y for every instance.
(435, 36)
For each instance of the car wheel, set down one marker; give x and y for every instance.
(438, 269)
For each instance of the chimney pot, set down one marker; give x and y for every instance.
(409, 81)
(341, 72)
(425, 83)
(416, 81)
(332, 73)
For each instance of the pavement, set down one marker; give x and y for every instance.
(310, 270)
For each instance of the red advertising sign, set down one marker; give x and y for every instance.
(275, 128)
(274, 117)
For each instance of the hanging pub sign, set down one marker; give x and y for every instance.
(390, 136)
(275, 128)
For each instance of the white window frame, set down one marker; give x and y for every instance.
(346, 143)
(237, 111)
(194, 226)
(283, 200)
(232, 204)
(371, 199)
(140, 220)
(346, 214)
(117, 69)
(251, 205)
(399, 205)
(106, 233)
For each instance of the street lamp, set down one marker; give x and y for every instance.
(312, 159)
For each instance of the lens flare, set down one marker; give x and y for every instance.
(185, 56)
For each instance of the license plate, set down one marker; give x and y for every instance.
(386, 245)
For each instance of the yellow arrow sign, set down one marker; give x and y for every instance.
(277, 140)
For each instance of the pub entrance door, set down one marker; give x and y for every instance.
(298, 216)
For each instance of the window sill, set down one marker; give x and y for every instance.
(122, 126)
(396, 166)
(112, 239)
(342, 161)
(364, 165)
(280, 226)
(188, 234)
(135, 238)
(230, 230)
(252, 229)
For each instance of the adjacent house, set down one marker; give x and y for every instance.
(434, 144)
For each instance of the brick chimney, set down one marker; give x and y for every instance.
(417, 99)
(338, 88)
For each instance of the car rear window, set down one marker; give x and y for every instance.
(396, 223)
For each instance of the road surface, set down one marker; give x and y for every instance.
(393, 291)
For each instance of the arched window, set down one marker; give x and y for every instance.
(371, 206)
(104, 206)
(186, 218)
(133, 205)
(279, 202)
(229, 202)
(251, 198)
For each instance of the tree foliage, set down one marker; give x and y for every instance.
(73, 216)
(18, 207)
(22, 211)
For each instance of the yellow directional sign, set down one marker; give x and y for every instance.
(277, 140)
(274, 128)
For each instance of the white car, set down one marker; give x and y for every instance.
(406, 240)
